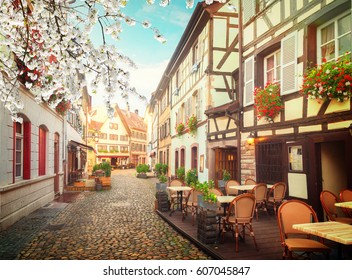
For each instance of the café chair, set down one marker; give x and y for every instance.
(230, 183)
(191, 204)
(239, 217)
(328, 200)
(250, 181)
(276, 195)
(346, 195)
(295, 242)
(260, 193)
(173, 194)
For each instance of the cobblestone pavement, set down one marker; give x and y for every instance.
(115, 224)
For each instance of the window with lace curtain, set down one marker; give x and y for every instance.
(334, 38)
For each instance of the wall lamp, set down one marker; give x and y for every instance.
(250, 139)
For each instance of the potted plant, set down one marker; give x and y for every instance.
(106, 179)
(225, 177)
(158, 169)
(191, 177)
(161, 186)
(142, 170)
(180, 128)
(180, 173)
(208, 199)
(267, 101)
(330, 80)
(192, 124)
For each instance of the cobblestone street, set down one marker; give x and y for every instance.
(115, 224)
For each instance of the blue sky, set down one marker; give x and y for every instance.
(138, 43)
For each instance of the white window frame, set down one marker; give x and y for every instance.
(276, 65)
(19, 136)
(336, 37)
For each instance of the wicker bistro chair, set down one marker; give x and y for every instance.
(173, 194)
(346, 195)
(260, 193)
(294, 241)
(328, 200)
(230, 183)
(191, 205)
(276, 195)
(250, 181)
(240, 215)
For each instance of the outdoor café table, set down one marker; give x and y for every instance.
(347, 204)
(225, 200)
(245, 188)
(335, 231)
(179, 190)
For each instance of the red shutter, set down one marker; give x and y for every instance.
(27, 150)
(42, 151)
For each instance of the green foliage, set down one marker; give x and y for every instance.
(205, 188)
(226, 175)
(180, 173)
(105, 166)
(163, 178)
(191, 177)
(142, 168)
(164, 169)
(158, 168)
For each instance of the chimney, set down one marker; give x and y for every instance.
(136, 111)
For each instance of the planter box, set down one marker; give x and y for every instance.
(161, 187)
(105, 181)
(79, 184)
(142, 175)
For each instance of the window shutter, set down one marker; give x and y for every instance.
(248, 9)
(289, 64)
(27, 150)
(248, 80)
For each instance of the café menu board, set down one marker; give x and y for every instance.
(295, 158)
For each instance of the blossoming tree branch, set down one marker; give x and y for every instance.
(45, 46)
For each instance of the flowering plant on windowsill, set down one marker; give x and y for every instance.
(180, 128)
(331, 79)
(267, 101)
(192, 124)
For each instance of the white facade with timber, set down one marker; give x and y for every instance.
(308, 145)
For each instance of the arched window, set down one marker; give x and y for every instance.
(176, 160)
(42, 150)
(182, 157)
(194, 158)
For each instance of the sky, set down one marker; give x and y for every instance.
(138, 43)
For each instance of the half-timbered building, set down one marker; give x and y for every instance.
(307, 145)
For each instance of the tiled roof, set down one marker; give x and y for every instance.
(134, 121)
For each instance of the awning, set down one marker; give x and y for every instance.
(75, 143)
(152, 154)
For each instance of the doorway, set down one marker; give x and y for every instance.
(225, 159)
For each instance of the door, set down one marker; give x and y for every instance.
(225, 159)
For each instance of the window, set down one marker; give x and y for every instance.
(182, 157)
(42, 151)
(194, 158)
(114, 137)
(102, 148)
(124, 149)
(114, 149)
(176, 160)
(19, 150)
(113, 126)
(334, 38)
(123, 137)
(195, 54)
(272, 67)
(269, 162)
